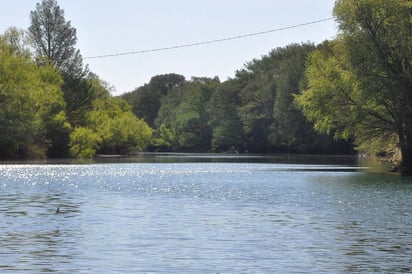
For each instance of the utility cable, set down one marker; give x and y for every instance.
(209, 41)
(194, 44)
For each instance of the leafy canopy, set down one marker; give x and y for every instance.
(361, 84)
(31, 103)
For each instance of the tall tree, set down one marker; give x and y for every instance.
(361, 85)
(290, 128)
(256, 106)
(54, 40)
(52, 37)
(223, 118)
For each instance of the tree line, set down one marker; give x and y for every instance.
(253, 112)
(356, 88)
(354, 91)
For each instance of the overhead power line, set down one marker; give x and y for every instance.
(192, 44)
(208, 41)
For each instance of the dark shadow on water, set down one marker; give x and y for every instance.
(348, 160)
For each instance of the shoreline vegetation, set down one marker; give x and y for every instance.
(348, 96)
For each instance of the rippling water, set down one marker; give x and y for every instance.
(203, 217)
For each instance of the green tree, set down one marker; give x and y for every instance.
(164, 138)
(52, 37)
(31, 104)
(361, 84)
(16, 39)
(227, 130)
(256, 109)
(84, 143)
(291, 130)
(271, 120)
(184, 113)
(120, 131)
(54, 40)
(145, 100)
(110, 127)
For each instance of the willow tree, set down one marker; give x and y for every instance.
(361, 84)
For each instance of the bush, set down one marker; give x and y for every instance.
(84, 143)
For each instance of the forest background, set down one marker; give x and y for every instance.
(351, 92)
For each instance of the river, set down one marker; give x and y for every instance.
(204, 214)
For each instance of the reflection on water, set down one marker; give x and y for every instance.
(347, 160)
(203, 217)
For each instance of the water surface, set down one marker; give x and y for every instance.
(203, 216)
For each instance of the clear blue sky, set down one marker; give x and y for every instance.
(110, 27)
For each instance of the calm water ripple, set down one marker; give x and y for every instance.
(203, 218)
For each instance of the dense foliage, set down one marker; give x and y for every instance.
(31, 104)
(253, 112)
(50, 104)
(360, 85)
